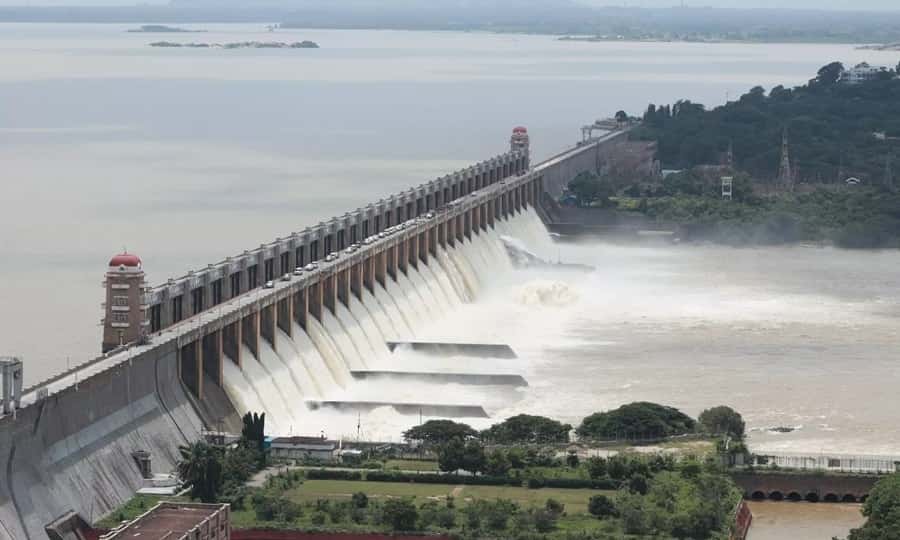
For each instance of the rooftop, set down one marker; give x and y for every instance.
(166, 520)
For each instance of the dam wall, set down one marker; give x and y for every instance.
(73, 450)
(590, 156)
(223, 344)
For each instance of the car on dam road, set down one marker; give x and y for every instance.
(286, 277)
(311, 267)
(298, 271)
(269, 285)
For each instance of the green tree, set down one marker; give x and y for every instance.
(596, 467)
(638, 484)
(830, 73)
(588, 188)
(437, 432)
(400, 514)
(451, 455)
(634, 512)
(473, 459)
(497, 463)
(201, 468)
(636, 420)
(601, 506)
(722, 420)
(882, 510)
(526, 428)
(621, 116)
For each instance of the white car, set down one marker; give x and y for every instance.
(349, 250)
(286, 277)
(332, 257)
(311, 266)
(269, 285)
(298, 271)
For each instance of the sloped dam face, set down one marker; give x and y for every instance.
(74, 451)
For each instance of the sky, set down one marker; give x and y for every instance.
(855, 5)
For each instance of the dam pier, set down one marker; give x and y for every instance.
(278, 328)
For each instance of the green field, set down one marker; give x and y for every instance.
(311, 490)
(411, 465)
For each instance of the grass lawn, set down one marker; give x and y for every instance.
(574, 499)
(411, 465)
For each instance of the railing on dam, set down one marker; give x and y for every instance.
(857, 463)
(203, 289)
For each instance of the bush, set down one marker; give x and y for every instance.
(360, 500)
(400, 514)
(555, 507)
(319, 518)
(601, 506)
(435, 478)
(638, 484)
(544, 520)
(332, 474)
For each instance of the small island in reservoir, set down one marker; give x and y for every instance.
(242, 45)
(162, 29)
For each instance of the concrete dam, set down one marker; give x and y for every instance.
(305, 328)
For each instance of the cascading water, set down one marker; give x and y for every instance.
(315, 364)
(329, 351)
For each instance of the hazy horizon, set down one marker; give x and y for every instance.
(830, 5)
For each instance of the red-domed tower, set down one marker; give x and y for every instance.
(519, 139)
(125, 317)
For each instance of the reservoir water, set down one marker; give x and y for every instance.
(186, 156)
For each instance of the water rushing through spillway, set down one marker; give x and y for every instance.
(315, 365)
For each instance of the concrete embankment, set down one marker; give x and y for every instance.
(73, 450)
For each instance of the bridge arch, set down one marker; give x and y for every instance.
(776, 496)
(812, 497)
(830, 498)
(849, 498)
(758, 496)
(794, 496)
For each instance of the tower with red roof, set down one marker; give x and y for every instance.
(125, 318)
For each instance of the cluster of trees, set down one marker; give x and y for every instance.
(831, 127)
(217, 473)
(882, 508)
(639, 420)
(459, 443)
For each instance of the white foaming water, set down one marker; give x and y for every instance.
(546, 293)
(328, 349)
(373, 334)
(242, 393)
(399, 320)
(428, 291)
(352, 327)
(387, 326)
(412, 316)
(455, 276)
(315, 364)
(352, 357)
(419, 302)
(439, 282)
(289, 354)
(264, 387)
(288, 396)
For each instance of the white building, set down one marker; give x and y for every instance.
(318, 448)
(861, 73)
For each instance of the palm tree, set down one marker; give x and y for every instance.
(201, 467)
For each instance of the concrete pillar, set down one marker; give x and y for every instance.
(299, 307)
(267, 321)
(198, 351)
(285, 313)
(412, 250)
(356, 280)
(329, 293)
(343, 287)
(250, 333)
(314, 299)
(231, 341)
(368, 272)
(391, 262)
(379, 268)
(402, 257)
